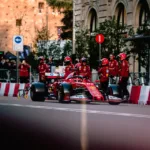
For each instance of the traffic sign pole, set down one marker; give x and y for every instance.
(99, 39)
(17, 46)
(100, 54)
(17, 67)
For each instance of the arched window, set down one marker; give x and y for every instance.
(120, 14)
(92, 20)
(144, 12)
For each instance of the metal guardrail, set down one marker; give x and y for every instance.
(141, 78)
(10, 75)
(137, 78)
(134, 79)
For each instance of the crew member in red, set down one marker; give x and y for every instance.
(123, 76)
(113, 66)
(84, 69)
(42, 68)
(69, 66)
(78, 63)
(24, 72)
(103, 72)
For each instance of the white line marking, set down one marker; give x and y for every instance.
(79, 110)
(84, 139)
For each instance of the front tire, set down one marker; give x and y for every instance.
(114, 103)
(61, 96)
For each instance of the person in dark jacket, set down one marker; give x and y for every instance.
(51, 64)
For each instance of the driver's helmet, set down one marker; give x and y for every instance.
(122, 56)
(104, 62)
(83, 59)
(67, 60)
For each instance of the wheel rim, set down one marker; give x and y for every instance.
(31, 94)
(59, 93)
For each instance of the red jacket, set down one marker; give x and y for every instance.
(24, 70)
(124, 69)
(113, 67)
(103, 73)
(68, 70)
(77, 65)
(84, 71)
(42, 68)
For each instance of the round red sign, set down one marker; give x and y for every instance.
(99, 38)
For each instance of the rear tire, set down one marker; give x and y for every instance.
(36, 96)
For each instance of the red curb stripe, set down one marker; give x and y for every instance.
(148, 102)
(135, 94)
(16, 90)
(7, 89)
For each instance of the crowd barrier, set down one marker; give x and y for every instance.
(12, 89)
(138, 94)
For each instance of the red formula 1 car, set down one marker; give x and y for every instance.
(73, 88)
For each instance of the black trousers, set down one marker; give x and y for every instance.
(123, 87)
(24, 79)
(104, 87)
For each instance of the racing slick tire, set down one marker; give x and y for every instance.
(37, 92)
(64, 92)
(113, 102)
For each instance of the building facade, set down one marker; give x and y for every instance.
(134, 13)
(89, 13)
(25, 17)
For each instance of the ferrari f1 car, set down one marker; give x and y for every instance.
(73, 88)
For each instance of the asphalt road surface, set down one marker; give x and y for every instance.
(28, 125)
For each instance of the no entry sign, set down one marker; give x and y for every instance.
(99, 38)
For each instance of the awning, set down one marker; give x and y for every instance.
(9, 55)
(137, 37)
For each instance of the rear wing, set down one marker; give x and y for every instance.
(54, 75)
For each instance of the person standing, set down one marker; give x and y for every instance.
(77, 63)
(123, 76)
(113, 68)
(68, 66)
(24, 72)
(84, 69)
(103, 72)
(42, 69)
(51, 64)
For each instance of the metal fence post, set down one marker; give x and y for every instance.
(30, 75)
